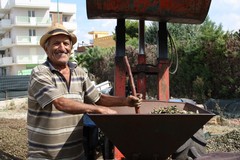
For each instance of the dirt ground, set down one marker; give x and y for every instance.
(13, 131)
(222, 134)
(13, 139)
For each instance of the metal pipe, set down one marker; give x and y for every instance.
(141, 38)
(162, 41)
(120, 38)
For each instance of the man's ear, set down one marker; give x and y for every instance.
(45, 49)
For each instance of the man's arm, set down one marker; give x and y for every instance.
(101, 107)
(110, 101)
(76, 107)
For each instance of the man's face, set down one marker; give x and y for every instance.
(59, 49)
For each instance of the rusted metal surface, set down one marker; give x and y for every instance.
(120, 73)
(141, 76)
(178, 11)
(120, 77)
(163, 80)
(149, 136)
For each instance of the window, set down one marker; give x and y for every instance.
(3, 71)
(31, 13)
(65, 19)
(32, 32)
(51, 16)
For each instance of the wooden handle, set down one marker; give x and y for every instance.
(133, 88)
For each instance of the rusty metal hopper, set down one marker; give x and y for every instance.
(177, 11)
(150, 136)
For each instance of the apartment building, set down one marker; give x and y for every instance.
(22, 23)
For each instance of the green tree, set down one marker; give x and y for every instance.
(131, 33)
(99, 62)
(131, 29)
(193, 68)
(207, 60)
(151, 33)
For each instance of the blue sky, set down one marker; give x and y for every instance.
(225, 12)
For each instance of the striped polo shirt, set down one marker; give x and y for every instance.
(53, 134)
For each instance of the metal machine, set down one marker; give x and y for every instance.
(150, 136)
(143, 135)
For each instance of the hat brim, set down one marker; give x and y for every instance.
(45, 37)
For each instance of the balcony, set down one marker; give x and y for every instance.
(22, 59)
(19, 40)
(4, 5)
(43, 21)
(5, 43)
(65, 8)
(71, 26)
(32, 21)
(30, 59)
(6, 61)
(27, 40)
(5, 23)
(28, 4)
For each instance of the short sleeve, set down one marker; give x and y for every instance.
(42, 88)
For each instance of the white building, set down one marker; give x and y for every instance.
(22, 23)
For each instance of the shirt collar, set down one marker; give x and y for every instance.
(70, 64)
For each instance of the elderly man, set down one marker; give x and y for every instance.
(60, 92)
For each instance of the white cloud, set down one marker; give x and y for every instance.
(109, 23)
(231, 22)
(232, 3)
(84, 37)
(226, 12)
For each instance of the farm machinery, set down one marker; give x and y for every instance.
(137, 134)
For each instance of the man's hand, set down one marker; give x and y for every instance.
(134, 101)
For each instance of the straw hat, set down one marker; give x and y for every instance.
(54, 30)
